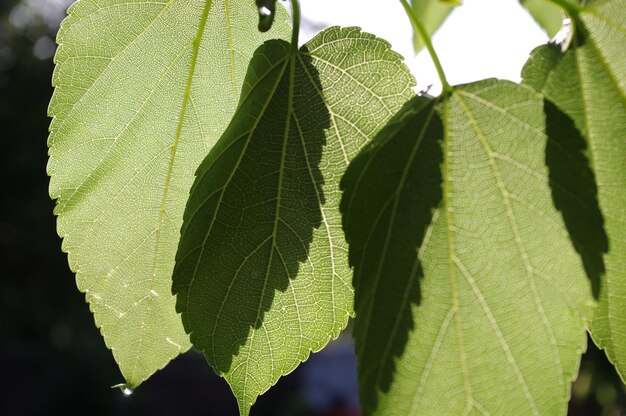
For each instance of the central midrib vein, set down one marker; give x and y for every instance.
(179, 129)
(469, 395)
(292, 72)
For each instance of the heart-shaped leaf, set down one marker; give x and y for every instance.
(470, 298)
(143, 90)
(262, 276)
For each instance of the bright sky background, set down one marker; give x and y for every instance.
(480, 39)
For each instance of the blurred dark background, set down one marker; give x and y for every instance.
(52, 358)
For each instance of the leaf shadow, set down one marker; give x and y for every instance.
(575, 192)
(392, 192)
(253, 210)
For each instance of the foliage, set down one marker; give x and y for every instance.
(548, 14)
(270, 184)
(126, 136)
(482, 226)
(588, 84)
(432, 13)
(473, 219)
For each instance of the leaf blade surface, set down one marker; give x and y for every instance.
(469, 296)
(262, 277)
(432, 14)
(137, 102)
(588, 84)
(547, 14)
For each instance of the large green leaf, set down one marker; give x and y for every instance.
(470, 298)
(432, 14)
(262, 276)
(588, 84)
(143, 90)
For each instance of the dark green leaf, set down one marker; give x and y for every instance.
(262, 275)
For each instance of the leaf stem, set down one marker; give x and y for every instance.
(295, 15)
(419, 28)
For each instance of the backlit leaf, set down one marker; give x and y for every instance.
(547, 14)
(432, 14)
(470, 298)
(143, 90)
(588, 84)
(262, 276)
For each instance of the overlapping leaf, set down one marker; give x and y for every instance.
(262, 276)
(470, 298)
(143, 90)
(588, 84)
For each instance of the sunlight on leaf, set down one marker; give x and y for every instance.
(588, 84)
(547, 14)
(143, 90)
(470, 298)
(432, 14)
(262, 274)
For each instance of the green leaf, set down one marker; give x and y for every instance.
(470, 298)
(546, 13)
(262, 276)
(432, 14)
(588, 84)
(143, 90)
